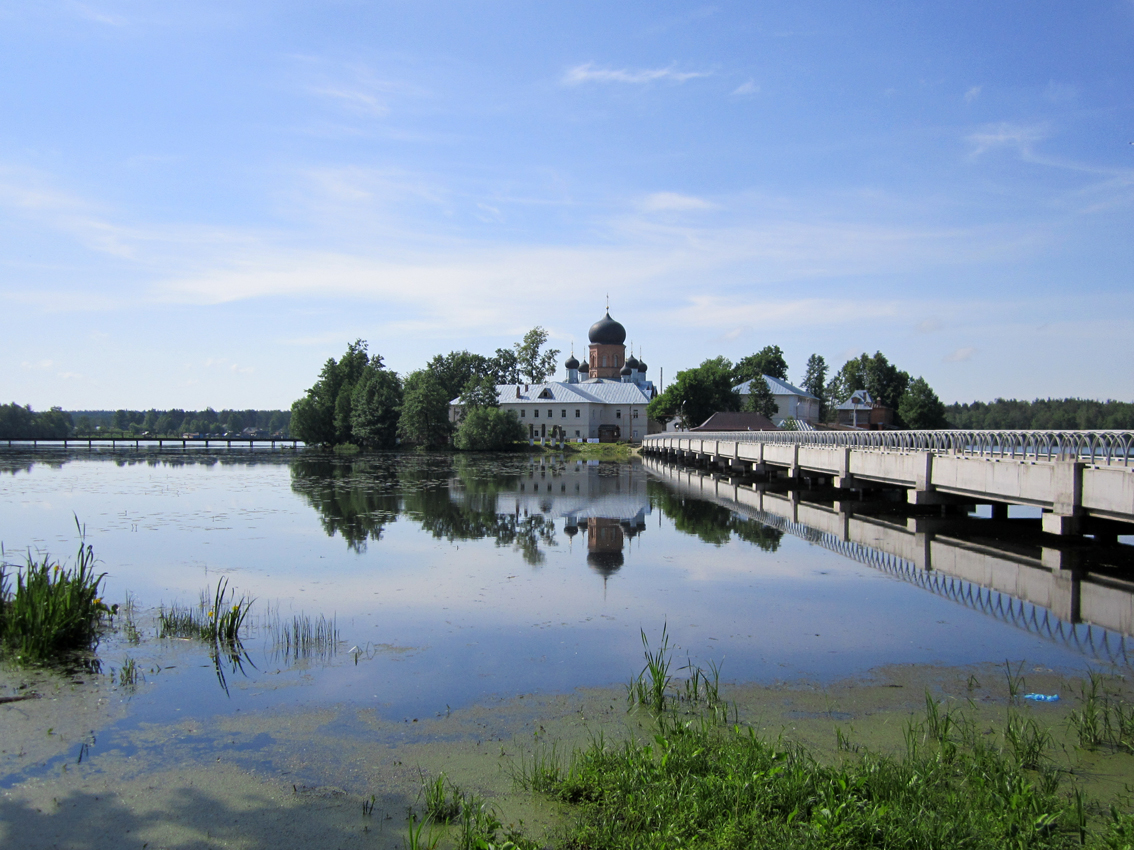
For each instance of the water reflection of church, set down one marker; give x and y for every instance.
(604, 503)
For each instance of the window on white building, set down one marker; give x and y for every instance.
(563, 415)
(535, 413)
(635, 413)
(618, 414)
(523, 413)
(576, 414)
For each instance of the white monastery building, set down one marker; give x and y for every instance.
(603, 398)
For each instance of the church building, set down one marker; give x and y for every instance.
(604, 398)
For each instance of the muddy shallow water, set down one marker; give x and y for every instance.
(482, 608)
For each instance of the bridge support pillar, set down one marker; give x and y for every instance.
(1065, 582)
(1067, 500)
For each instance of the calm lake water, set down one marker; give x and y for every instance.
(454, 579)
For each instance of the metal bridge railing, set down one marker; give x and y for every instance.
(1096, 447)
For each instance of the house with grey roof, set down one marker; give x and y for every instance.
(791, 401)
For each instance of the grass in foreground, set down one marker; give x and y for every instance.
(698, 783)
(54, 610)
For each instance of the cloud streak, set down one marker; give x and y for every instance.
(589, 73)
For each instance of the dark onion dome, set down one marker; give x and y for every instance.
(606, 331)
(572, 363)
(642, 366)
(632, 362)
(626, 370)
(605, 564)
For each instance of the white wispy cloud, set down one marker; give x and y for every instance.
(99, 16)
(1007, 135)
(972, 94)
(748, 87)
(589, 73)
(356, 100)
(959, 356)
(674, 202)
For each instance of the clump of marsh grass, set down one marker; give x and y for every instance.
(1102, 719)
(305, 637)
(655, 688)
(477, 822)
(217, 620)
(53, 610)
(218, 617)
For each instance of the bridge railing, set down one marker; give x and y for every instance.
(1096, 447)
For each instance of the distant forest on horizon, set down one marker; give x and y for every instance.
(22, 423)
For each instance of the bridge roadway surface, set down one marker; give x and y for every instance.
(1012, 582)
(1082, 480)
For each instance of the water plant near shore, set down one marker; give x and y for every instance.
(54, 610)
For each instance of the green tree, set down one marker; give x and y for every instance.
(488, 429)
(479, 392)
(696, 394)
(760, 399)
(504, 368)
(425, 410)
(769, 360)
(885, 382)
(535, 365)
(815, 381)
(455, 369)
(376, 406)
(323, 415)
(920, 408)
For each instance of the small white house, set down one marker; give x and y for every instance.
(791, 401)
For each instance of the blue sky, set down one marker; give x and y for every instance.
(200, 202)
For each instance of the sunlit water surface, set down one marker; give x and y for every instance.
(454, 579)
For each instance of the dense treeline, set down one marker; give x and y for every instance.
(175, 422)
(698, 393)
(358, 401)
(1074, 414)
(23, 423)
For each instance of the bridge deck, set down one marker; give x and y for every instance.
(1070, 475)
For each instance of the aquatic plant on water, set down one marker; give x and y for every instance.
(51, 610)
(218, 618)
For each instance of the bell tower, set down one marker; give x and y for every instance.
(607, 353)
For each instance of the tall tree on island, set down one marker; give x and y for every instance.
(323, 415)
(769, 360)
(425, 410)
(885, 382)
(760, 399)
(815, 382)
(537, 367)
(376, 405)
(920, 408)
(696, 394)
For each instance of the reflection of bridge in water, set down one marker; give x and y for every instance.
(1071, 595)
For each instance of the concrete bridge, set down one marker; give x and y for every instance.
(1082, 480)
(1047, 589)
